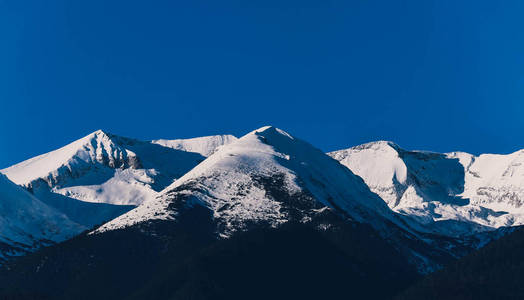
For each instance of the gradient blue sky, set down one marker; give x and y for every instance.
(434, 75)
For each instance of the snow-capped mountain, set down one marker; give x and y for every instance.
(237, 183)
(104, 175)
(177, 201)
(269, 178)
(26, 223)
(454, 193)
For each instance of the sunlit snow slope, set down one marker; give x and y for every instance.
(111, 172)
(455, 193)
(205, 146)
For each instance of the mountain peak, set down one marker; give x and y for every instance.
(272, 131)
(97, 147)
(97, 133)
(381, 144)
(264, 163)
(280, 140)
(264, 129)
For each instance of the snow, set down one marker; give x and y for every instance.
(436, 190)
(126, 187)
(103, 168)
(147, 211)
(496, 181)
(26, 221)
(226, 180)
(202, 145)
(93, 148)
(379, 164)
(71, 161)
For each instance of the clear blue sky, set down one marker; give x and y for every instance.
(435, 75)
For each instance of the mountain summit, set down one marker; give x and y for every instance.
(72, 161)
(102, 175)
(264, 177)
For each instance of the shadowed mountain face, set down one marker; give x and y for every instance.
(184, 260)
(27, 223)
(437, 176)
(493, 272)
(88, 214)
(291, 262)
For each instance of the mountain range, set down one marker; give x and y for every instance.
(163, 216)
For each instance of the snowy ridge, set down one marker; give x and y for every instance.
(494, 181)
(205, 146)
(455, 193)
(379, 164)
(26, 223)
(233, 184)
(72, 160)
(103, 168)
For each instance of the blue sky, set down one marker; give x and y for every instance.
(434, 75)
